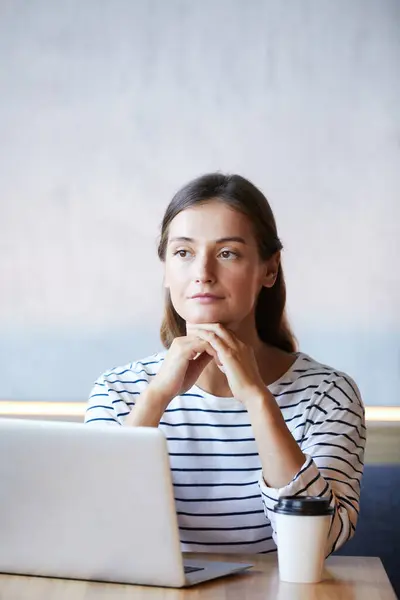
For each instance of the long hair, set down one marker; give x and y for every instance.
(239, 194)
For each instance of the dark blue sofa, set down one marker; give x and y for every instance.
(378, 529)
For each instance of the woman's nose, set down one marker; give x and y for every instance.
(204, 279)
(204, 272)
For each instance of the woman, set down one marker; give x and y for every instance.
(247, 418)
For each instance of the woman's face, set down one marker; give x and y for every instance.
(212, 266)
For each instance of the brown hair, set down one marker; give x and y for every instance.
(241, 195)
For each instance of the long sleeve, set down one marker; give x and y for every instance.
(332, 436)
(115, 392)
(100, 408)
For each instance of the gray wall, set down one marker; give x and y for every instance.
(107, 107)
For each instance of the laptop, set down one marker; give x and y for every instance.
(93, 503)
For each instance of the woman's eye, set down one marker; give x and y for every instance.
(181, 253)
(228, 254)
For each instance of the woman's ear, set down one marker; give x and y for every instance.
(271, 270)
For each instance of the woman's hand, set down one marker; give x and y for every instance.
(237, 360)
(183, 363)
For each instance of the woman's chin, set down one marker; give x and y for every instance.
(207, 316)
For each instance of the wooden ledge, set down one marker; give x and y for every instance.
(373, 414)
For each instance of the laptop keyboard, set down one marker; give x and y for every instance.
(192, 569)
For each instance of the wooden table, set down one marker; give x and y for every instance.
(346, 578)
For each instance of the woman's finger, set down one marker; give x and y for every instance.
(198, 345)
(218, 344)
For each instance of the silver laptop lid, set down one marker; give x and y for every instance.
(87, 502)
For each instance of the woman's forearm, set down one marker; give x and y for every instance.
(281, 457)
(148, 409)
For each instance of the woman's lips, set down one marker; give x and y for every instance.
(206, 299)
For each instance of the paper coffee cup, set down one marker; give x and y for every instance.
(302, 527)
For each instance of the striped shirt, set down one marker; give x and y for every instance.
(222, 501)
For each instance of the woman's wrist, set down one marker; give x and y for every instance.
(148, 409)
(261, 400)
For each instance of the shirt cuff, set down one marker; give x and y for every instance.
(307, 482)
